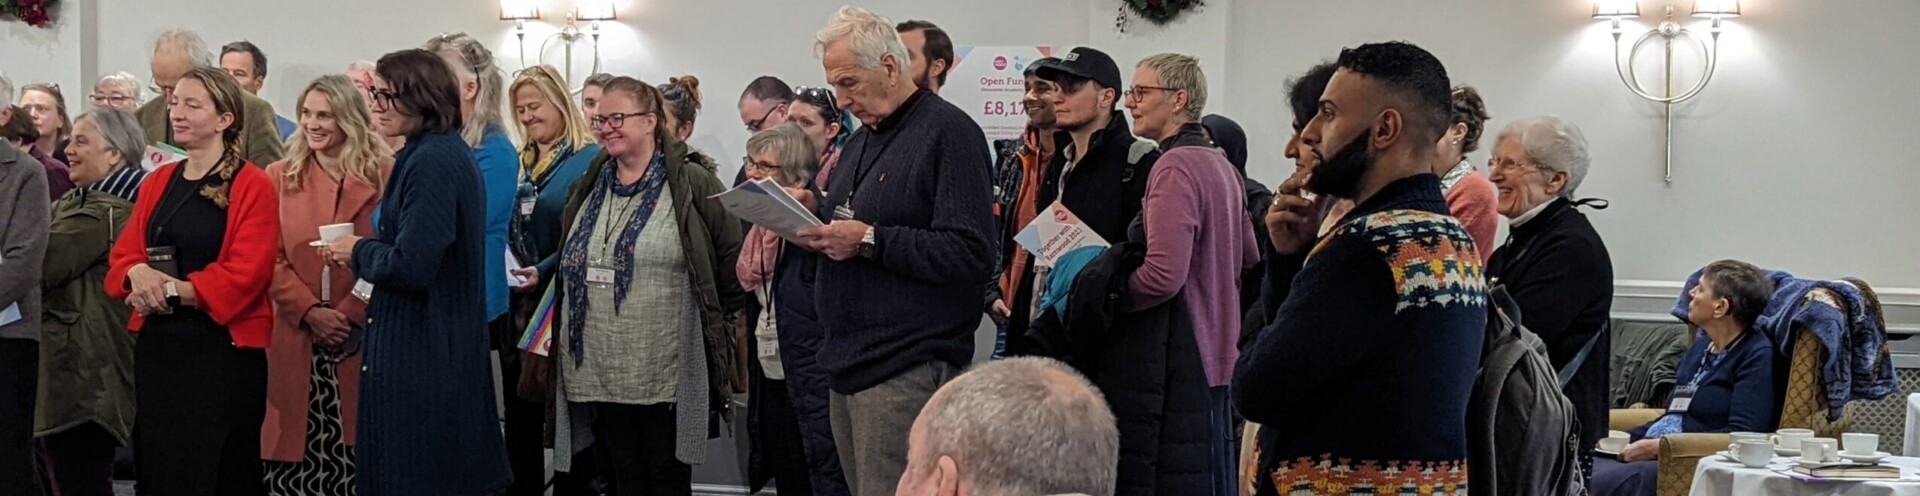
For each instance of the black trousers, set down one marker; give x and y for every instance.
(526, 452)
(636, 444)
(79, 461)
(19, 380)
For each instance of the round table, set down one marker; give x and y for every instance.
(1720, 476)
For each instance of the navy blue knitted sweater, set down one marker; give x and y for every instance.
(1361, 379)
(921, 179)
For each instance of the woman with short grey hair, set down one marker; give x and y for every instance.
(86, 403)
(788, 389)
(119, 90)
(1553, 262)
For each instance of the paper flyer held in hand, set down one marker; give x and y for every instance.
(159, 154)
(1055, 232)
(766, 204)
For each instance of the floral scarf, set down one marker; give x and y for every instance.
(573, 264)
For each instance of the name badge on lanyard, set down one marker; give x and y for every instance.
(599, 275)
(1682, 398)
(527, 198)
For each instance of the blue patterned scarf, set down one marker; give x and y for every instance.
(573, 264)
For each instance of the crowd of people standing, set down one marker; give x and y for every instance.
(308, 305)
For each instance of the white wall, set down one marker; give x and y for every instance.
(1797, 155)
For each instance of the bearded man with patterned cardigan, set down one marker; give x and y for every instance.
(1360, 382)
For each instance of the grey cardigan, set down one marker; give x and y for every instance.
(23, 239)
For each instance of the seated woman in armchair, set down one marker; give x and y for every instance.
(1724, 382)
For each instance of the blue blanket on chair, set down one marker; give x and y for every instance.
(1856, 366)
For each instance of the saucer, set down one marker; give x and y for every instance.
(1604, 451)
(1786, 451)
(1873, 458)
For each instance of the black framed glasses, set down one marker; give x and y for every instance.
(750, 164)
(754, 126)
(614, 120)
(111, 100)
(1137, 92)
(383, 99)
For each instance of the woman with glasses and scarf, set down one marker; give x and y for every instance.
(195, 263)
(85, 408)
(333, 173)
(791, 387)
(644, 343)
(819, 115)
(427, 419)
(559, 147)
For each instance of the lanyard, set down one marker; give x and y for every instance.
(1709, 360)
(862, 167)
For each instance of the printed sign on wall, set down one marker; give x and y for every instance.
(989, 82)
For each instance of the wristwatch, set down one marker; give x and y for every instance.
(173, 294)
(867, 244)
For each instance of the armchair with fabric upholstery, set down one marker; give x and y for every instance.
(1801, 400)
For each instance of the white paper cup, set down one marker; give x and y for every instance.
(1861, 444)
(331, 232)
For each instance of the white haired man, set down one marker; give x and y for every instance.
(174, 53)
(1020, 426)
(910, 244)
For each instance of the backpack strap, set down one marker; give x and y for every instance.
(1566, 374)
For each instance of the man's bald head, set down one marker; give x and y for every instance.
(1019, 426)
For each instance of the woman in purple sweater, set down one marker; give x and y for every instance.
(1196, 231)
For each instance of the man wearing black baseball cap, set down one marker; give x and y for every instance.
(1101, 171)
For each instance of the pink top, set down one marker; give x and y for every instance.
(1472, 200)
(1197, 242)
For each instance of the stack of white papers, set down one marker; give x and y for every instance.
(767, 205)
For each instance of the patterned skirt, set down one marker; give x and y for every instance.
(327, 467)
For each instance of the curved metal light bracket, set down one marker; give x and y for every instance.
(571, 34)
(1668, 30)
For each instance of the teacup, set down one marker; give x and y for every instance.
(1734, 439)
(1861, 444)
(1820, 450)
(1753, 453)
(1614, 442)
(1791, 438)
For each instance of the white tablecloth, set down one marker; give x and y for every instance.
(1718, 476)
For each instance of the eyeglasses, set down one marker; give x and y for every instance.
(1137, 92)
(111, 100)
(1497, 165)
(754, 126)
(614, 120)
(156, 87)
(383, 99)
(750, 164)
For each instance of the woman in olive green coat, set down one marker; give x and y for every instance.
(85, 407)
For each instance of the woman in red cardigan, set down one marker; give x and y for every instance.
(194, 262)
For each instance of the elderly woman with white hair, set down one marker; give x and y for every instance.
(119, 90)
(1553, 262)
